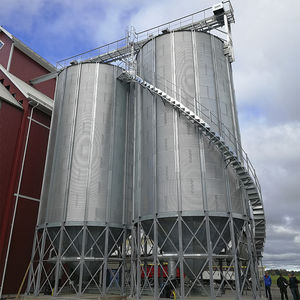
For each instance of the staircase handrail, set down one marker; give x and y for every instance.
(210, 116)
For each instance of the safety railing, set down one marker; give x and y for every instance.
(187, 22)
(203, 20)
(211, 119)
(96, 52)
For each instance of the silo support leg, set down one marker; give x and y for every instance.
(254, 279)
(210, 253)
(182, 296)
(105, 260)
(124, 263)
(235, 258)
(82, 255)
(155, 259)
(138, 281)
(58, 261)
(133, 267)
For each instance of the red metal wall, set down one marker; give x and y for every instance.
(8, 140)
(27, 210)
(35, 156)
(12, 121)
(5, 50)
(26, 69)
(13, 129)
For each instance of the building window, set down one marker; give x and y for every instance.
(1, 44)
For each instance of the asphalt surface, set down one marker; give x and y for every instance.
(275, 292)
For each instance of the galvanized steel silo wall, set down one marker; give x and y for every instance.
(85, 190)
(178, 173)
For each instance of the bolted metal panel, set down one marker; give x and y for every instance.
(84, 214)
(88, 139)
(214, 95)
(188, 210)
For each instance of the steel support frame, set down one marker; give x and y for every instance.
(234, 277)
(50, 265)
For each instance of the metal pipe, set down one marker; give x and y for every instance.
(10, 56)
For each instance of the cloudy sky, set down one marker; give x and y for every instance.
(266, 74)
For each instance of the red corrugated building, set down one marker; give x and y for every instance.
(25, 114)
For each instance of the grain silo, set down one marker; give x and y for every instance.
(83, 216)
(183, 188)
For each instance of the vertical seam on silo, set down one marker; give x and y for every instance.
(134, 97)
(177, 170)
(111, 147)
(215, 69)
(199, 134)
(48, 149)
(227, 187)
(233, 108)
(70, 159)
(125, 164)
(176, 129)
(196, 73)
(92, 140)
(57, 270)
(140, 141)
(155, 208)
(203, 170)
(154, 126)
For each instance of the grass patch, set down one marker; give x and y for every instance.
(275, 277)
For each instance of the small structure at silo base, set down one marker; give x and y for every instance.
(147, 190)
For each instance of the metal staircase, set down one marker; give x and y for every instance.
(240, 163)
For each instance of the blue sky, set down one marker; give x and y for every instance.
(266, 77)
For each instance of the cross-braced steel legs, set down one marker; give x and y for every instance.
(80, 259)
(196, 255)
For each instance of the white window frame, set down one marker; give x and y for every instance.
(1, 44)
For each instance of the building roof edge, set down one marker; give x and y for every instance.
(28, 51)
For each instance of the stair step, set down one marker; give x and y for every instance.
(226, 148)
(216, 139)
(251, 191)
(231, 158)
(259, 207)
(245, 177)
(228, 153)
(248, 183)
(241, 171)
(236, 163)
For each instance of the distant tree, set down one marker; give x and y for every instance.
(284, 272)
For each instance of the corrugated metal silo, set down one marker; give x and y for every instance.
(83, 212)
(181, 178)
